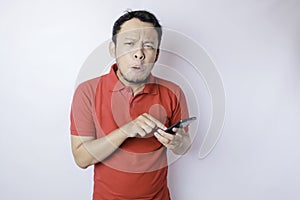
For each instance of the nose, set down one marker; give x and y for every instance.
(139, 55)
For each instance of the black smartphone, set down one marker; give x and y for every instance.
(181, 123)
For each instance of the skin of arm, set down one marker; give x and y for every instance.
(88, 150)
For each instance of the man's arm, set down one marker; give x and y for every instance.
(88, 150)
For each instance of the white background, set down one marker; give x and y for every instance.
(254, 44)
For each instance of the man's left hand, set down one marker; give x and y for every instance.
(170, 141)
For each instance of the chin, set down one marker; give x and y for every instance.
(137, 80)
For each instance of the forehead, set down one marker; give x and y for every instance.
(135, 28)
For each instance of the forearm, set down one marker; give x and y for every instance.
(88, 151)
(96, 150)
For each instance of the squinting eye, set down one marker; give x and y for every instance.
(128, 43)
(148, 46)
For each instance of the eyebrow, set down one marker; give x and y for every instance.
(129, 38)
(152, 42)
(134, 39)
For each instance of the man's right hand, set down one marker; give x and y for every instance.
(141, 126)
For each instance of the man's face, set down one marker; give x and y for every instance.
(135, 51)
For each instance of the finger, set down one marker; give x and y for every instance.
(174, 129)
(167, 143)
(178, 130)
(147, 121)
(161, 139)
(138, 129)
(166, 135)
(156, 121)
(141, 133)
(144, 126)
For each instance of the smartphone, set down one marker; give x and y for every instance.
(180, 124)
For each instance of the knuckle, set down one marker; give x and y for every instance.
(152, 124)
(147, 129)
(142, 134)
(139, 117)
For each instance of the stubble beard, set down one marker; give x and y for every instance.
(134, 81)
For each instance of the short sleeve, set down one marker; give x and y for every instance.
(82, 123)
(181, 108)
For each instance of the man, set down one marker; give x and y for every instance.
(118, 119)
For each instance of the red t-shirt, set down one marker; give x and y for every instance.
(138, 169)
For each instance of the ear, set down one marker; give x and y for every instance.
(157, 54)
(112, 49)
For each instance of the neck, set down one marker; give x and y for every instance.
(135, 87)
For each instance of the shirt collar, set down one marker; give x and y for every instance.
(115, 84)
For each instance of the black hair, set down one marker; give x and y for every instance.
(142, 15)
